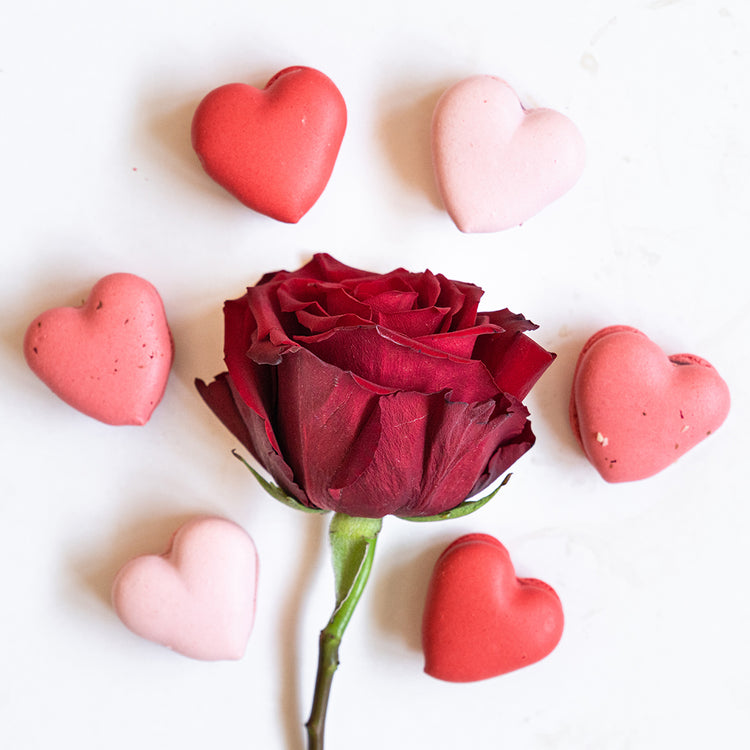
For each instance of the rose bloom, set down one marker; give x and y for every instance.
(373, 394)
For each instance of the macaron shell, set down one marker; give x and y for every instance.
(497, 164)
(273, 149)
(109, 358)
(480, 620)
(197, 598)
(634, 410)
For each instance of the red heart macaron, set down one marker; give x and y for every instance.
(198, 597)
(109, 358)
(480, 620)
(273, 149)
(635, 410)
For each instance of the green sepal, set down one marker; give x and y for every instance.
(276, 492)
(464, 509)
(352, 542)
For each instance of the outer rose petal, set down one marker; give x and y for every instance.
(250, 429)
(218, 397)
(505, 456)
(319, 419)
(253, 382)
(428, 452)
(515, 361)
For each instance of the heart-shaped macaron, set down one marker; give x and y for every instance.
(198, 597)
(480, 620)
(109, 358)
(273, 149)
(635, 410)
(497, 164)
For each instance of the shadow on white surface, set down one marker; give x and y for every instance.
(400, 587)
(404, 132)
(147, 534)
(290, 631)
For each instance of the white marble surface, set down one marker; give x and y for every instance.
(98, 176)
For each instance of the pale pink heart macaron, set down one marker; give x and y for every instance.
(110, 357)
(198, 597)
(496, 163)
(635, 410)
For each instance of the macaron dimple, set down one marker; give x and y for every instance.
(634, 410)
(109, 358)
(480, 620)
(496, 163)
(198, 597)
(274, 148)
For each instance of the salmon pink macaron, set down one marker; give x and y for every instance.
(110, 357)
(634, 410)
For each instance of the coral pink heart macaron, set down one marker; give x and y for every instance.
(635, 410)
(496, 163)
(109, 358)
(480, 620)
(274, 148)
(198, 597)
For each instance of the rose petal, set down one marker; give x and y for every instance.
(253, 383)
(509, 451)
(251, 430)
(426, 452)
(515, 360)
(457, 343)
(413, 323)
(325, 267)
(218, 397)
(268, 327)
(401, 363)
(463, 300)
(427, 285)
(320, 414)
(322, 323)
(319, 307)
(323, 297)
(390, 293)
(254, 325)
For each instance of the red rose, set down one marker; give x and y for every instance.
(370, 394)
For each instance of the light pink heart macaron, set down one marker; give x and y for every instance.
(109, 358)
(635, 410)
(198, 597)
(497, 164)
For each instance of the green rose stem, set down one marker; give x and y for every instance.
(352, 542)
(353, 550)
